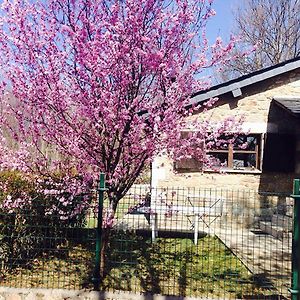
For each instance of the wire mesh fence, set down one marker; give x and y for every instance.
(187, 242)
(205, 243)
(48, 243)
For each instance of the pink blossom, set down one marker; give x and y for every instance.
(106, 90)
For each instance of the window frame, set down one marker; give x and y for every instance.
(258, 152)
(231, 151)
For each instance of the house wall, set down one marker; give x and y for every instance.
(259, 112)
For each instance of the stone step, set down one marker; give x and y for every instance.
(283, 221)
(277, 231)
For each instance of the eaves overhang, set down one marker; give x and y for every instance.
(235, 86)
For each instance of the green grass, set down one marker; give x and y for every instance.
(174, 266)
(66, 269)
(171, 266)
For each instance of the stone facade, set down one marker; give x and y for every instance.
(260, 114)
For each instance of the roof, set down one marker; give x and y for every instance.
(289, 103)
(234, 86)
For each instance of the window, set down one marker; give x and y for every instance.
(242, 154)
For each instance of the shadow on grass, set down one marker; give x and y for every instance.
(130, 264)
(65, 262)
(171, 266)
(175, 266)
(264, 297)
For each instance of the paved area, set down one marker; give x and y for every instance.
(268, 258)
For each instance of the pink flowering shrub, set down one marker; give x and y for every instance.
(35, 211)
(67, 198)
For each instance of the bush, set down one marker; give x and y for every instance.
(36, 212)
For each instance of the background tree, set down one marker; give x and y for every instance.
(269, 31)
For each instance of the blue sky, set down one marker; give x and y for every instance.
(221, 23)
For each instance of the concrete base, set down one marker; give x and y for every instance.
(279, 227)
(60, 294)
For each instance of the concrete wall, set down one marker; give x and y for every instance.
(256, 105)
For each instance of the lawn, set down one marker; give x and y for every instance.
(171, 266)
(175, 266)
(66, 269)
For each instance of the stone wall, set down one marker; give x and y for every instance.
(53, 294)
(271, 182)
(256, 106)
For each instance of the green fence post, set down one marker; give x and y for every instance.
(101, 188)
(295, 290)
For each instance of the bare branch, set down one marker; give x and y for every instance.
(273, 27)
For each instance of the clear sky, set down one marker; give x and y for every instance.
(221, 23)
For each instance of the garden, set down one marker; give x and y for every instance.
(46, 245)
(105, 87)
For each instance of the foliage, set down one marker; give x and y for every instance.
(34, 211)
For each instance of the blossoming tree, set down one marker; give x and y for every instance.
(107, 84)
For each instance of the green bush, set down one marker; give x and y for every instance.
(36, 213)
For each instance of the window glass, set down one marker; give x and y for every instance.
(241, 153)
(244, 160)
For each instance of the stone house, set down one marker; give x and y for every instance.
(269, 100)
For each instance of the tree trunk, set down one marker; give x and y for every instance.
(105, 241)
(106, 233)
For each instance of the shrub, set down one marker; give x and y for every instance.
(36, 212)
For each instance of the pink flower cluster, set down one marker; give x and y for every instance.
(16, 204)
(65, 199)
(108, 218)
(68, 197)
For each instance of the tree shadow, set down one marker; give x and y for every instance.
(151, 282)
(178, 267)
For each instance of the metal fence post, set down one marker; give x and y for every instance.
(101, 188)
(295, 290)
